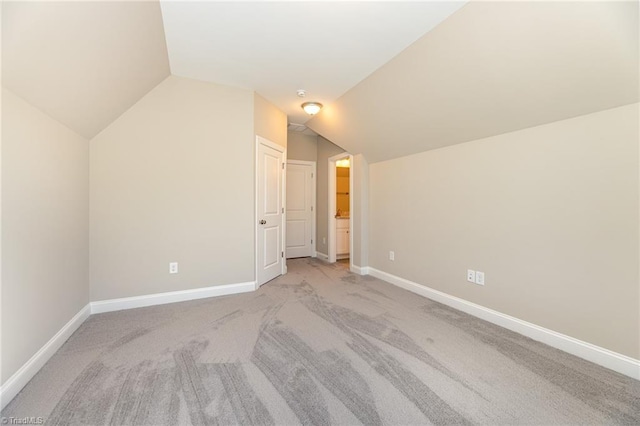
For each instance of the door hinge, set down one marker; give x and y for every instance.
(311, 208)
(283, 210)
(282, 166)
(311, 175)
(282, 254)
(311, 241)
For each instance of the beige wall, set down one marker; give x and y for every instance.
(302, 147)
(549, 213)
(161, 192)
(483, 72)
(83, 63)
(326, 149)
(360, 213)
(269, 121)
(45, 229)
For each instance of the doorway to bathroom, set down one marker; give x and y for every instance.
(340, 191)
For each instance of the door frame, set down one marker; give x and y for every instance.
(283, 151)
(314, 201)
(331, 242)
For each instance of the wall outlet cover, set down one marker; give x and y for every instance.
(479, 278)
(173, 267)
(392, 256)
(471, 276)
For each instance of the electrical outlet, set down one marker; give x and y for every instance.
(173, 267)
(471, 276)
(479, 278)
(392, 256)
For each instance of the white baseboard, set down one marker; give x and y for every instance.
(360, 270)
(322, 256)
(21, 377)
(170, 297)
(596, 354)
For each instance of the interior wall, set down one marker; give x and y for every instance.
(45, 229)
(83, 63)
(326, 149)
(302, 147)
(360, 213)
(549, 214)
(490, 68)
(172, 180)
(269, 121)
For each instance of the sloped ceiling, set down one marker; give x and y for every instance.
(491, 68)
(83, 63)
(276, 48)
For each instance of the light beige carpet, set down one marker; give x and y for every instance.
(317, 346)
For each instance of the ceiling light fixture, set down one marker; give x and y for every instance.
(312, 108)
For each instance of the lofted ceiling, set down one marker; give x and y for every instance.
(276, 48)
(83, 63)
(396, 77)
(491, 68)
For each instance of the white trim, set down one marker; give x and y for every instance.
(322, 256)
(314, 201)
(331, 241)
(170, 297)
(21, 377)
(351, 210)
(360, 270)
(283, 151)
(596, 354)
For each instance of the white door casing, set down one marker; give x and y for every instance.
(300, 208)
(332, 234)
(270, 195)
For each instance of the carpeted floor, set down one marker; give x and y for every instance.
(317, 346)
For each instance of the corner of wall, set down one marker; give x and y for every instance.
(269, 121)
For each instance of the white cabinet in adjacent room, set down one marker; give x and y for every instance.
(342, 238)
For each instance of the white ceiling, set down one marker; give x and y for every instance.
(395, 77)
(276, 48)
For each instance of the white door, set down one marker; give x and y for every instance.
(300, 206)
(270, 170)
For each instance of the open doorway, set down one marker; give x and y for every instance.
(340, 189)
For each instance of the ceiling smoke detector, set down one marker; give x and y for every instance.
(301, 93)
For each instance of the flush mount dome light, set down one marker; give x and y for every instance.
(312, 108)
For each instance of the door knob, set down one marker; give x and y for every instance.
(263, 222)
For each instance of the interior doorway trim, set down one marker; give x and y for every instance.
(314, 176)
(283, 185)
(331, 242)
